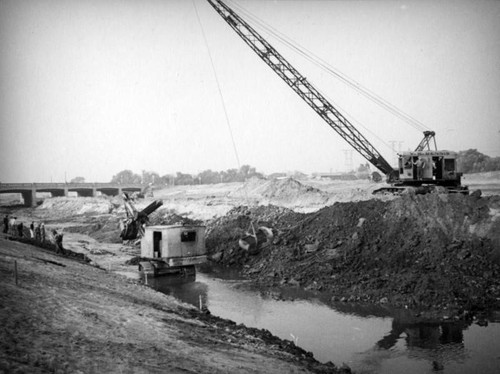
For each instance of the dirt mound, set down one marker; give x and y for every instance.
(68, 206)
(432, 251)
(105, 229)
(224, 232)
(170, 217)
(286, 192)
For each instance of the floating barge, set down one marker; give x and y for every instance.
(172, 250)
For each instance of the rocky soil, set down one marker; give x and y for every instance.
(427, 252)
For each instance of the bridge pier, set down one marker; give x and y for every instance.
(29, 197)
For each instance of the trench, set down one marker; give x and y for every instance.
(368, 338)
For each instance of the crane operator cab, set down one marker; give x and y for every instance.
(430, 167)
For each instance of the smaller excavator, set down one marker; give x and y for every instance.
(133, 226)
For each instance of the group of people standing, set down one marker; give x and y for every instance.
(13, 228)
(37, 232)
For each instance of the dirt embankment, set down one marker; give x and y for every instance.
(420, 251)
(63, 316)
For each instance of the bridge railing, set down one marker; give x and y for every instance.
(16, 184)
(72, 185)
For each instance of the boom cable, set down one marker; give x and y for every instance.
(218, 87)
(228, 122)
(283, 39)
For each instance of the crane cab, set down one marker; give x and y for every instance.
(429, 167)
(172, 249)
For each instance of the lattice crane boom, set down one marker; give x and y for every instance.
(303, 88)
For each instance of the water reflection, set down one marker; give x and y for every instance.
(370, 339)
(185, 289)
(424, 335)
(417, 347)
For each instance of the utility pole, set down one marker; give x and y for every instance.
(348, 158)
(393, 147)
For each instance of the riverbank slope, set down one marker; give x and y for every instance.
(67, 316)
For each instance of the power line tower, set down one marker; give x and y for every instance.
(348, 158)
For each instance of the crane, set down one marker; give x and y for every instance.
(439, 168)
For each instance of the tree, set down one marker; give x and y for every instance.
(183, 179)
(472, 161)
(209, 177)
(77, 180)
(231, 175)
(150, 177)
(363, 171)
(167, 179)
(125, 177)
(246, 172)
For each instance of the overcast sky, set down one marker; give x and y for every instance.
(92, 87)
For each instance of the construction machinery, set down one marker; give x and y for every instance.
(165, 249)
(132, 228)
(172, 250)
(422, 171)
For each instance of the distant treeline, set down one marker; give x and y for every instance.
(205, 177)
(472, 161)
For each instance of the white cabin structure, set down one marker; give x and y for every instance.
(175, 245)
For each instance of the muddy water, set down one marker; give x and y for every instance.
(368, 339)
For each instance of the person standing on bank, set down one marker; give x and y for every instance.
(37, 232)
(42, 232)
(20, 229)
(12, 226)
(58, 238)
(32, 229)
(420, 164)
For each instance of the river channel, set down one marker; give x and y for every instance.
(370, 339)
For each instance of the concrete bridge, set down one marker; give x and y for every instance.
(29, 190)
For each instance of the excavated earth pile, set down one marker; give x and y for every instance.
(287, 192)
(419, 251)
